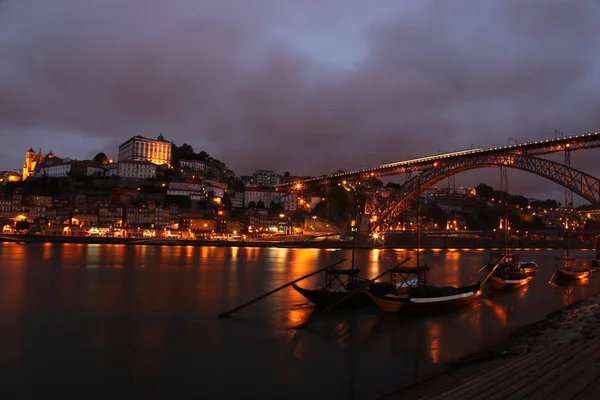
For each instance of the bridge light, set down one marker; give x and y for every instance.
(435, 164)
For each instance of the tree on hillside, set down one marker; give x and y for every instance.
(101, 158)
(226, 200)
(238, 185)
(484, 191)
(186, 152)
(175, 159)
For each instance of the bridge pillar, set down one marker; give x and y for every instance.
(568, 192)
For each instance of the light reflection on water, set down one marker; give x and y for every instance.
(143, 317)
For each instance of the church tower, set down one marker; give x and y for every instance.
(30, 163)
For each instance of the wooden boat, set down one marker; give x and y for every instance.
(508, 280)
(565, 257)
(339, 283)
(508, 275)
(423, 296)
(494, 258)
(569, 271)
(529, 267)
(572, 273)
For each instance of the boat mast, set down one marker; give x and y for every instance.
(568, 234)
(418, 218)
(354, 230)
(504, 191)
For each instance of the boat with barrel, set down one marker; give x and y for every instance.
(529, 267)
(508, 279)
(344, 287)
(571, 273)
(339, 283)
(423, 296)
(568, 270)
(510, 273)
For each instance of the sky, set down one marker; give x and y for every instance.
(307, 87)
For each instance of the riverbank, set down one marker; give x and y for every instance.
(289, 242)
(568, 330)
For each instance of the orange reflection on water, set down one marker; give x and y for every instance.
(499, 311)
(72, 254)
(303, 261)
(433, 331)
(296, 316)
(234, 253)
(300, 262)
(13, 276)
(375, 255)
(452, 267)
(204, 252)
(47, 251)
(567, 296)
(252, 253)
(279, 256)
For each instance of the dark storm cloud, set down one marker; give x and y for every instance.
(308, 87)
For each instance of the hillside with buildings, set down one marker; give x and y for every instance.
(157, 189)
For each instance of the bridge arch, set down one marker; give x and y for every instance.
(579, 182)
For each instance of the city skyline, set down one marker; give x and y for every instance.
(338, 84)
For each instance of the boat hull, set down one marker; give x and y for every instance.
(425, 303)
(323, 298)
(498, 283)
(572, 274)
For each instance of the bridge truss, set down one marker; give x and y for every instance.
(541, 147)
(385, 211)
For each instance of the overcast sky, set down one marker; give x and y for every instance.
(307, 86)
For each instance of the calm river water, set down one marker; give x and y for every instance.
(119, 319)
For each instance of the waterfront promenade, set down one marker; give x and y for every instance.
(297, 241)
(556, 358)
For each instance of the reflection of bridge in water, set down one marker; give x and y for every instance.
(384, 207)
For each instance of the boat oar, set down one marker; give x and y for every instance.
(349, 296)
(482, 268)
(227, 313)
(491, 272)
(552, 277)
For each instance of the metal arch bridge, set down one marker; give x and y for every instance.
(433, 169)
(579, 182)
(541, 147)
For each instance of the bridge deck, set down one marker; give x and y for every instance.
(569, 371)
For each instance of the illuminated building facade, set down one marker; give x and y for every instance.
(32, 160)
(139, 148)
(136, 169)
(9, 176)
(264, 178)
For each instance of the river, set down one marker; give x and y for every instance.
(125, 320)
